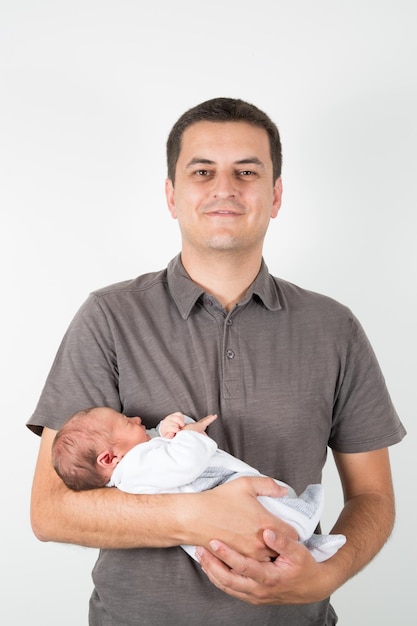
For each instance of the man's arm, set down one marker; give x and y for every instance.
(109, 518)
(369, 512)
(295, 578)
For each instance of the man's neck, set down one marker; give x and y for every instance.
(225, 276)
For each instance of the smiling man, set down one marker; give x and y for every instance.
(289, 372)
(224, 196)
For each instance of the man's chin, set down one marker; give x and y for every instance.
(224, 243)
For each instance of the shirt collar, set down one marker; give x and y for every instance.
(186, 293)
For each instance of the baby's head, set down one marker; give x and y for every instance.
(91, 443)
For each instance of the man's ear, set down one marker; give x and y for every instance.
(107, 459)
(170, 196)
(276, 205)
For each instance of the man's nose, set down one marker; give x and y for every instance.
(224, 186)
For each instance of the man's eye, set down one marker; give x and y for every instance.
(246, 172)
(202, 172)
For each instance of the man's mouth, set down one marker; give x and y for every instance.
(224, 207)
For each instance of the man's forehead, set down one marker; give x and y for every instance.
(204, 140)
(203, 127)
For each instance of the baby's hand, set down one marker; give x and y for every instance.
(201, 425)
(171, 425)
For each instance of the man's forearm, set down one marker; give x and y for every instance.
(367, 522)
(110, 519)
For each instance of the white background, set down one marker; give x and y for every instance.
(88, 93)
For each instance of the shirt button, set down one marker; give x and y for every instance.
(229, 322)
(230, 354)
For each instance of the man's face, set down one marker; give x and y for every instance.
(224, 194)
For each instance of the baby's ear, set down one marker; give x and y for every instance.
(107, 459)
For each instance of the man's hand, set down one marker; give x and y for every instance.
(294, 577)
(233, 512)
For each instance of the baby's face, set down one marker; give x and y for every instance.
(125, 431)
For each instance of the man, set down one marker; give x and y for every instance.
(288, 372)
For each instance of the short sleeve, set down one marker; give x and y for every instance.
(364, 417)
(84, 372)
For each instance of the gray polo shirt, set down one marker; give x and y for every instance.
(288, 371)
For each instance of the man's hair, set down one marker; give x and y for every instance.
(74, 453)
(224, 110)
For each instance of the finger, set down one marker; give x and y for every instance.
(288, 549)
(169, 435)
(263, 486)
(215, 566)
(178, 418)
(242, 565)
(173, 423)
(241, 582)
(206, 421)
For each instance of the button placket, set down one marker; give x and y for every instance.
(231, 368)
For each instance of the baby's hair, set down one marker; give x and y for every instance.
(75, 450)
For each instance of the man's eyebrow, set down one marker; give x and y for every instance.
(198, 161)
(246, 161)
(250, 161)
